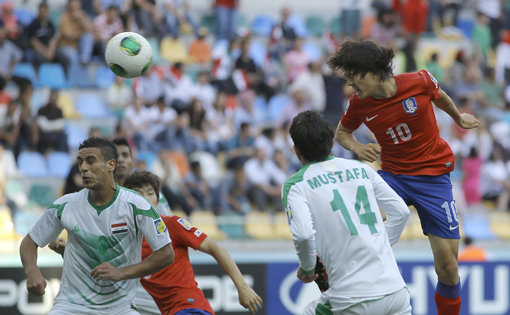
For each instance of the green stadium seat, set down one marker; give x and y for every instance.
(42, 194)
(316, 25)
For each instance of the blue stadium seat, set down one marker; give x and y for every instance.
(75, 135)
(79, 77)
(148, 157)
(25, 70)
(262, 25)
(59, 164)
(52, 75)
(466, 26)
(104, 77)
(260, 107)
(90, 105)
(258, 52)
(299, 25)
(54, 17)
(32, 164)
(276, 105)
(313, 50)
(25, 17)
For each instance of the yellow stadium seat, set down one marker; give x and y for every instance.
(66, 104)
(281, 226)
(206, 222)
(500, 224)
(258, 225)
(174, 50)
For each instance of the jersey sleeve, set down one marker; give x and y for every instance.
(48, 227)
(183, 233)
(390, 202)
(432, 86)
(301, 227)
(350, 118)
(151, 225)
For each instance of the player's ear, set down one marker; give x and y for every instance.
(111, 165)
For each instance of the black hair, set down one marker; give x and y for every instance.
(312, 135)
(122, 141)
(195, 165)
(468, 241)
(140, 178)
(107, 147)
(362, 57)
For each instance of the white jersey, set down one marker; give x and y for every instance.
(96, 234)
(333, 211)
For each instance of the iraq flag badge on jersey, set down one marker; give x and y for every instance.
(119, 228)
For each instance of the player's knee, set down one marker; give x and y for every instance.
(447, 272)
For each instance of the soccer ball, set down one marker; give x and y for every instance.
(128, 54)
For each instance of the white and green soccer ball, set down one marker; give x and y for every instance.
(128, 54)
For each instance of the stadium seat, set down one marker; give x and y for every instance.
(75, 135)
(32, 164)
(262, 25)
(258, 52)
(54, 17)
(466, 26)
(91, 105)
(42, 194)
(500, 224)
(206, 222)
(281, 227)
(25, 70)
(156, 54)
(104, 77)
(180, 160)
(242, 21)
(40, 98)
(25, 17)
(7, 231)
(336, 26)
(259, 226)
(148, 157)
(66, 104)
(211, 169)
(260, 107)
(209, 22)
(232, 223)
(315, 25)
(299, 25)
(367, 23)
(59, 164)
(52, 75)
(174, 50)
(79, 77)
(9, 163)
(276, 105)
(313, 50)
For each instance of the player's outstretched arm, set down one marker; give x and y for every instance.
(155, 262)
(35, 280)
(247, 297)
(464, 120)
(369, 152)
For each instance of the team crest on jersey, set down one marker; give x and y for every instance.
(433, 79)
(184, 223)
(119, 228)
(160, 225)
(410, 105)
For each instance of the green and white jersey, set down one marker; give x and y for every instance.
(97, 234)
(333, 211)
(163, 207)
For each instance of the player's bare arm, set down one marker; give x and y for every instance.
(35, 280)
(464, 120)
(58, 246)
(366, 152)
(247, 296)
(155, 262)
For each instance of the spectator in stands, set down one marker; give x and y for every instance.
(9, 125)
(496, 181)
(241, 146)
(203, 90)
(148, 17)
(300, 102)
(177, 14)
(296, 60)
(5, 97)
(386, 29)
(266, 180)
(5, 202)
(224, 60)
(220, 126)
(43, 40)
(434, 67)
(198, 126)
(235, 189)
(493, 104)
(199, 49)
(246, 111)
(51, 123)
(10, 20)
(75, 41)
(469, 86)
(105, 26)
(226, 18)
(471, 168)
(311, 82)
(74, 181)
(148, 86)
(161, 128)
(350, 16)
(482, 34)
(502, 66)
(119, 95)
(172, 184)
(137, 118)
(10, 53)
(414, 13)
(471, 252)
(441, 7)
(282, 35)
(408, 59)
(28, 137)
(178, 85)
(492, 9)
(198, 186)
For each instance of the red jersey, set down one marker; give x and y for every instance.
(405, 126)
(174, 288)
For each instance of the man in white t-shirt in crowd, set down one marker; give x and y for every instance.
(332, 206)
(105, 225)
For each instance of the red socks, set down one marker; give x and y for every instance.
(448, 299)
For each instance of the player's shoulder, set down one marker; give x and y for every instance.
(133, 197)
(72, 197)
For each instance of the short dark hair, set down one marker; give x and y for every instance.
(122, 141)
(139, 178)
(108, 149)
(312, 135)
(361, 57)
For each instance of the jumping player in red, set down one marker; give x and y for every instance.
(415, 161)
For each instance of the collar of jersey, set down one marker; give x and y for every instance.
(314, 162)
(101, 208)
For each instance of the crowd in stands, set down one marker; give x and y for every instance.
(224, 88)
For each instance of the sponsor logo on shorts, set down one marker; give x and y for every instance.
(160, 225)
(453, 227)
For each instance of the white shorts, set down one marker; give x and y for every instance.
(62, 308)
(398, 303)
